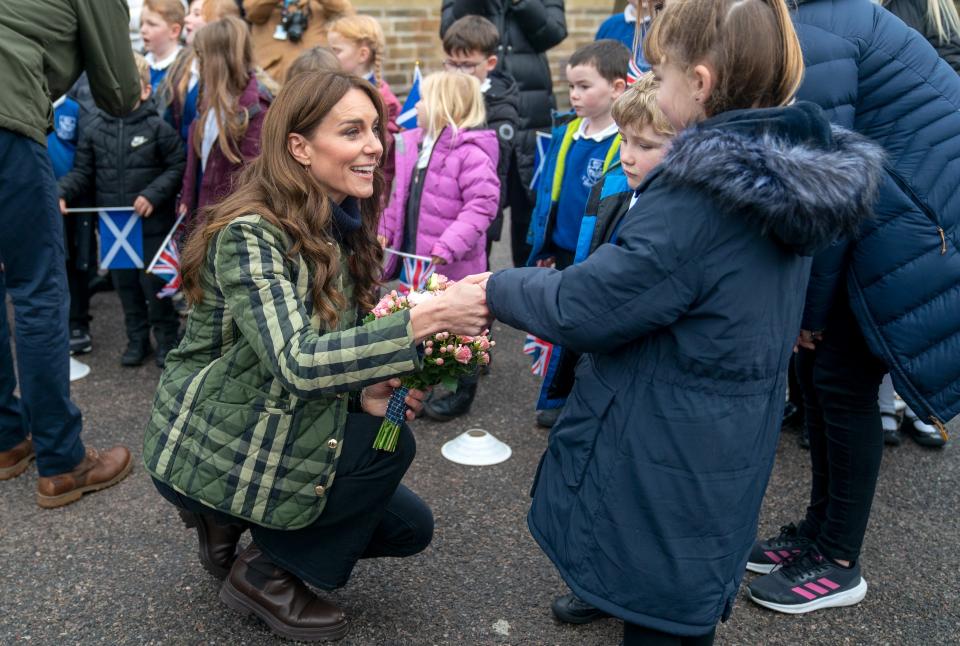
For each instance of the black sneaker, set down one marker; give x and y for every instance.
(573, 610)
(809, 582)
(768, 554)
(80, 341)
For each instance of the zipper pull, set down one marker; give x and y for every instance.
(943, 241)
(940, 428)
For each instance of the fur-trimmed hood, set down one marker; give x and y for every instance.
(802, 180)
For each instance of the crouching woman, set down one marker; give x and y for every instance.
(265, 415)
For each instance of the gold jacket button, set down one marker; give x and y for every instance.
(320, 489)
(332, 444)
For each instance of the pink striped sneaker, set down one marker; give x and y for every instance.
(768, 554)
(808, 582)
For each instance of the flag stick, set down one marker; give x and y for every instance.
(403, 254)
(97, 209)
(163, 245)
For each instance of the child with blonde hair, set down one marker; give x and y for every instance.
(446, 190)
(161, 24)
(231, 106)
(359, 44)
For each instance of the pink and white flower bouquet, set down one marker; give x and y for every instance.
(446, 358)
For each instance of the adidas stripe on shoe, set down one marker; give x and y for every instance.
(809, 582)
(771, 552)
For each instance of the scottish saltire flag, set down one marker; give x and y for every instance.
(408, 115)
(540, 157)
(166, 264)
(416, 273)
(540, 352)
(121, 239)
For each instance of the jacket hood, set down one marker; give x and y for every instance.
(803, 181)
(483, 138)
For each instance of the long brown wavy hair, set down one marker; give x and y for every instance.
(225, 52)
(284, 193)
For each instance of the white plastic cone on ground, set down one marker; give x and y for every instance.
(78, 370)
(476, 447)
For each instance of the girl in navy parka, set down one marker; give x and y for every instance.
(648, 495)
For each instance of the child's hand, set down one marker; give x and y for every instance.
(382, 240)
(549, 263)
(63, 206)
(142, 206)
(182, 209)
(437, 260)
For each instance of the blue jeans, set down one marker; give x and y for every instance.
(368, 514)
(32, 252)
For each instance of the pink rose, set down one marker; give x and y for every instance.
(428, 351)
(484, 344)
(439, 361)
(463, 354)
(484, 359)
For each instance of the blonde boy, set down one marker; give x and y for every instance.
(161, 23)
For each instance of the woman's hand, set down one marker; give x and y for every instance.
(460, 309)
(374, 399)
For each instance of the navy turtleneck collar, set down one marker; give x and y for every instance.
(346, 217)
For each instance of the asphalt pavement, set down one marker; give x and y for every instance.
(119, 568)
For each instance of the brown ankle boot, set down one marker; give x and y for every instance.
(96, 471)
(218, 543)
(256, 585)
(16, 460)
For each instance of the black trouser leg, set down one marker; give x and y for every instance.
(161, 314)
(841, 380)
(520, 211)
(634, 635)
(134, 301)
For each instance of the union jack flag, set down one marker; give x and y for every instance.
(540, 352)
(633, 71)
(416, 273)
(166, 264)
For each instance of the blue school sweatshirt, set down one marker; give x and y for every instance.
(584, 167)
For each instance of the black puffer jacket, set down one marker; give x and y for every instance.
(140, 154)
(913, 12)
(502, 101)
(528, 28)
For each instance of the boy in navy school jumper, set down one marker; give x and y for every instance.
(161, 22)
(581, 151)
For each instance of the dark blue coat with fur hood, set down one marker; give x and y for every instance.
(875, 75)
(648, 494)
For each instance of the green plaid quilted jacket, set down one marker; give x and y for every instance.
(250, 410)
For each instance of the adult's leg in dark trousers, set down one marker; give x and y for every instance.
(134, 301)
(634, 635)
(12, 427)
(32, 251)
(520, 211)
(366, 486)
(846, 439)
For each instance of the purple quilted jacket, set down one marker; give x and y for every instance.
(461, 191)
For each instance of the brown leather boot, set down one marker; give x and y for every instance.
(256, 585)
(16, 460)
(218, 543)
(96, 471)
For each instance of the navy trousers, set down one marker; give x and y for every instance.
(32, 253)
(368, 514)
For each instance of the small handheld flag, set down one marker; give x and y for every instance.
(540, 156)
(408, 115)
(121, 239)
(540, 352)
(166, 264)
(416, 273)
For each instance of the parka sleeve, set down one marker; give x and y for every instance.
(79, 179)
(257, 287)
(617, 295)
(102, 31)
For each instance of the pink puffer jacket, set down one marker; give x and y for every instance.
(461, 191)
